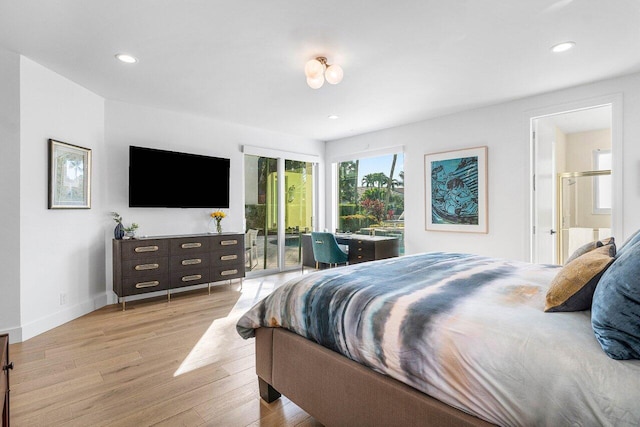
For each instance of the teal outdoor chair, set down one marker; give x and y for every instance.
(326, 249)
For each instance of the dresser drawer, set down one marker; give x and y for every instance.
(141, 285)
(227, 271)
(194, 276)
(361, 251)
(230, 244)
(225, 258)
(187, 261)
(138, 249)
(189, 245)
(145, 267)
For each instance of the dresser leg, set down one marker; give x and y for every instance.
(209, 286)
(123, 304)
(168, 296)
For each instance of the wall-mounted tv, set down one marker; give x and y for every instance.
(169, 179)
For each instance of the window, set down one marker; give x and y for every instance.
(371, 196)
(602, 184)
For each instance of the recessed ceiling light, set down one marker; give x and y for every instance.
(126, 58)
(333, 117)
(562, 47)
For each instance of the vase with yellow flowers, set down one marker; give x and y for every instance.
(216, 222)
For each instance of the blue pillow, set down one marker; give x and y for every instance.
(635, 238)
(615, 310)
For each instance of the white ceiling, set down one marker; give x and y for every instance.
(582, 120)
(242, 61)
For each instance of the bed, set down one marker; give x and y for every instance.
(440, 339)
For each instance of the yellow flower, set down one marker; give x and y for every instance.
(218, 215)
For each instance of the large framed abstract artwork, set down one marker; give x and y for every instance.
(69, 176)
(456, 190)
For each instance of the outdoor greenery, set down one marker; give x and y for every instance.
(256, 216)
(376, 203)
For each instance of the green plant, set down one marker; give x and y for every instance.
(353, 223)
(348, 209)
(374, 208)
(256, 216)
(116, 217)
(132, 228)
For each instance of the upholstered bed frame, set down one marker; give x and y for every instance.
(340, 392)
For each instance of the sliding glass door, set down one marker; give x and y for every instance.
(279, 207)
(298, 208)
(261, 212)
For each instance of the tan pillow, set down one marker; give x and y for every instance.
(573, 287)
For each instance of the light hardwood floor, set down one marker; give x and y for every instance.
(159, 363)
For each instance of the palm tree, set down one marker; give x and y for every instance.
(348, 175)
(390, 181)
(376, 179)
(368, 180)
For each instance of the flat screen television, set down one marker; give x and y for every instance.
(169, 179)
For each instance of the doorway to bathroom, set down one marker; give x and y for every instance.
(572, 188)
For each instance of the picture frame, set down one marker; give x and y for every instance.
(69, 176)
(456, 190)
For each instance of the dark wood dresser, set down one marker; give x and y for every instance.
(4, 381)
(164, 263)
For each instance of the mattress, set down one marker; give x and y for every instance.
(465, 329)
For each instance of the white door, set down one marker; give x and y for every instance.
(544, 193)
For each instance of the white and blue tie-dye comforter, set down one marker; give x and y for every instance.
(465, 329)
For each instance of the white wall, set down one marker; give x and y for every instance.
(48, 253)
(128, 124)
(10, 193)
(61, 251)
(504, 128)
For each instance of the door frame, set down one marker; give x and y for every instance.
(615, 101)
(538, 211)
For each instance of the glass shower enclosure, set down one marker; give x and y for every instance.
(584, 206)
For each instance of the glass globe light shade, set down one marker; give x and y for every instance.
(315, 83)
(334, 74)
(562, 47)
(313, 69)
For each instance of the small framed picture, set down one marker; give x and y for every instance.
(456, 190)
(69, 176)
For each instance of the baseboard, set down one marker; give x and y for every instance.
(61, 317)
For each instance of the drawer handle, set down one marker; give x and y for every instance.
(192, 277)
(359, 241)
(359, 249)
(150, 284)
(7, 367)
(191, 261)
(146, 249)
(229, 272)
(191, 245)
(359, 256)
(141, 267)
(228, 257)
(228, 242)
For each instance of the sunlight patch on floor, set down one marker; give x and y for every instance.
(221, 334)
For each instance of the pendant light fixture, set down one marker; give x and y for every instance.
(317, 70)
